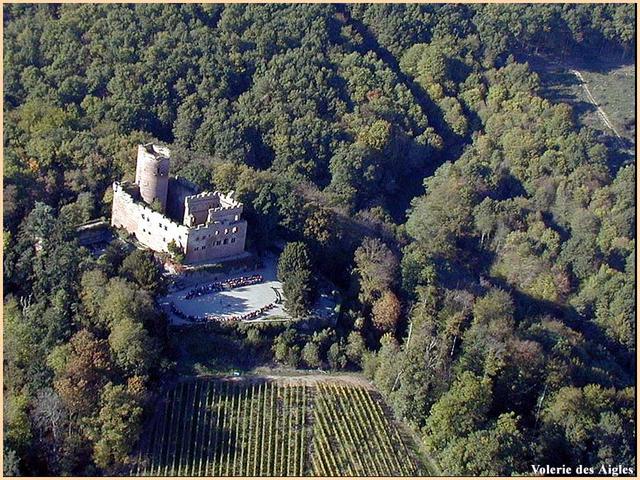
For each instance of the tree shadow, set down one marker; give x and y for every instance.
(599, 63)
(215, 303)
(469, 273)
(210, 350)
(434, 114)
(193, 438)
(527, 306)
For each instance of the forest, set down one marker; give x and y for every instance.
(482, 239)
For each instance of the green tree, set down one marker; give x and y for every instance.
(386, 368)
(355, 348)
(295, 273)
(444, 215)
(297, 293)
(486, 342)
(459, 412)
(133, 349)
(593, 416)
(120, 422)
(376, 267)
(17, 425)
(24, 352)
(93, 290)
(176, 252)
(140, 266)
(311, 355)
(337, 355)
(499, 450)
(285, 348)
(608, 298)
(111, 260)
(294, 258)
(123, 300)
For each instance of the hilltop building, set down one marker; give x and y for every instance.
(159, 209)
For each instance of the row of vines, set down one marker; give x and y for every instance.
(353, 436)
(212, 427)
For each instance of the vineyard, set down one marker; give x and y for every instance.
(212, 427)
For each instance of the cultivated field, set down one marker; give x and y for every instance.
(210, 427)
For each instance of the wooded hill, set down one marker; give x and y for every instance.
(483, 241)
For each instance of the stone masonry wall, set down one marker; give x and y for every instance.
(198, 206)
(152, 173)
(216, 240)
(153, 229)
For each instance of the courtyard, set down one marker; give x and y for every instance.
(260, 301)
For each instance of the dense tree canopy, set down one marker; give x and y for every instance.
(481, 238)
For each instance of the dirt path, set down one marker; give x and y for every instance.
(320, 378)
(296, 377)
(601, 112)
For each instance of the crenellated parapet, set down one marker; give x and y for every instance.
(208, 207)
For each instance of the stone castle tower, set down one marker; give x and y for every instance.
(152, 173)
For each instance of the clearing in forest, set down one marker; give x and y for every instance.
(608, 86)
(215, 427)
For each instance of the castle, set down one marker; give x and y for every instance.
(159, 210)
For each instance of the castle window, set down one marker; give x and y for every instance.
(226, 230)
(234, 229)
(236, 218)
(226, 240)
(218, 242)
(160, 224)
(143, 216)
(233, 240)
(204, 247)
(164, 239)
(165, 227)
(217, 232)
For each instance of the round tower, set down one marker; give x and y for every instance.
(152, 173)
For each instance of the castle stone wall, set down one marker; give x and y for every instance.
(150, 228)
(196, 208)
(153, 229)
(216, 240)
(212, 226)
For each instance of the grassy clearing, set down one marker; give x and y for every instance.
(615, 93)
(612, 85)
(613, 88)
(213, 427)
